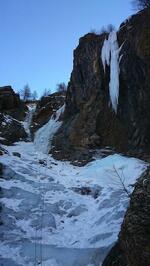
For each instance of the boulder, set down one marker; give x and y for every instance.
(88, 191)
(16, 154)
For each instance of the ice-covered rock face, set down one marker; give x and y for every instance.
(110, 57)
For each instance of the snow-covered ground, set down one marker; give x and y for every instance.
(58, 213)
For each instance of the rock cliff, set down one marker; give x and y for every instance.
(90, 120)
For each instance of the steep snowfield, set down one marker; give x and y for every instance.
(49, 214)
(110, 57)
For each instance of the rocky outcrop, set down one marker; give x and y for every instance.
(11, 104)
(12, 110)
(11, 130)
(89, 119)
(46, 107)
(133, 247)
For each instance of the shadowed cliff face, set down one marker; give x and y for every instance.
(84, 95)
(90, 121)
(134, 108)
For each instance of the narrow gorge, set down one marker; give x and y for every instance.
(74, 165)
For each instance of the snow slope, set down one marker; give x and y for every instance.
(62, 214)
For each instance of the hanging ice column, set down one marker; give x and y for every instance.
(110, 56)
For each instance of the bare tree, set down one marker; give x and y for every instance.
(103, 30)
(25, 93)
(61, 87)
(34, 95)
(46, 92)
(93, 31)
(140, 4)
(110, 28)
(107, 29)
(121, 180)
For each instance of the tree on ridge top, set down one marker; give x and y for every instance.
(141, 4)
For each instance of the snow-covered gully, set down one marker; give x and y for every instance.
(58, 214)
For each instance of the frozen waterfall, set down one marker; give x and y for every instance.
(28, 119)
(44, 135)
(110, 57)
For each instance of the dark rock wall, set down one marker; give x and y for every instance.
(134, 107)
(84, 94)
(89, 119)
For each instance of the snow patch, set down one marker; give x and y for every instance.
(110, 57)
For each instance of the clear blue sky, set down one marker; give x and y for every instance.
(37, 37)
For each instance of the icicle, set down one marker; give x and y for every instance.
(110, 56)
